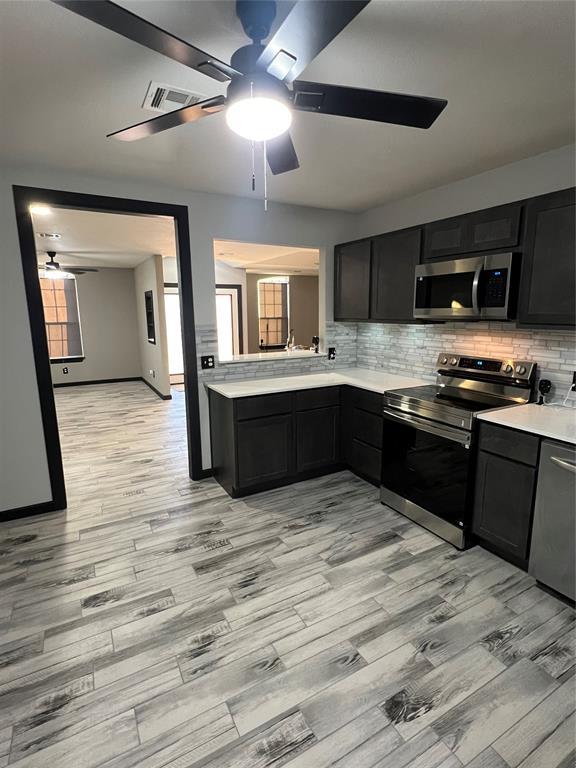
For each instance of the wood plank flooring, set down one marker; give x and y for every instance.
(160, 624)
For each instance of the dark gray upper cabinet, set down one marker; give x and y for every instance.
(485, 230)
(445, 238)
(352, 281)
(394, 258)
(549, 261)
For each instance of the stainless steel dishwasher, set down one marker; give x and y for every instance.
(553, 548)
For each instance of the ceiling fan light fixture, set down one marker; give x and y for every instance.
(259, 118)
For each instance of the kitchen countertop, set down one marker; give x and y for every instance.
(375, 381)
(266, 357)
(552, 421)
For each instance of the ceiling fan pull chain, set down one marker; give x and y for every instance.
(253, 167)
(264, 155)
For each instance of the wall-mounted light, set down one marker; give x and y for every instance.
(38, 209)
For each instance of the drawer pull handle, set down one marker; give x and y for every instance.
(563, 464)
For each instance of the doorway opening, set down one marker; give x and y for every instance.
(72, 332)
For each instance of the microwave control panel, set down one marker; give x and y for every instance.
(495, 282)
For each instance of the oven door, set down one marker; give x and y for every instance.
(448, 290)
(425, 471)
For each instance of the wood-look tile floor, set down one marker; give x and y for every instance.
(160, 624)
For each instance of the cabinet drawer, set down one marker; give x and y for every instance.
(367, 427)
(366, 461)
(510, 443)
(263, 405)
(317, 398)
(366, 400)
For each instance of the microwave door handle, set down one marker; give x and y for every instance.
(475, 288)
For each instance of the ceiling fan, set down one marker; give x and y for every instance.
(55, 271)
(263, 90)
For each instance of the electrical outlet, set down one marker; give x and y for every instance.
(573, 387)
(207, 362)
(331, 353)
(65, 369)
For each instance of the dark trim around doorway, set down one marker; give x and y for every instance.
(23, 198)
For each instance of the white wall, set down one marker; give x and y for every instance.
(148, 276)
(107, 305)
(23, 469)
(537, 175)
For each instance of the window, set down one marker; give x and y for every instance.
(273, 311)
(150, 325)
(60, 302)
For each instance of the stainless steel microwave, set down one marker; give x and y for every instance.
(476, 288)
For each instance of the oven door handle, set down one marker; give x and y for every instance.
(456, 435)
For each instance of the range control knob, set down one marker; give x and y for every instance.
(444, 360)
(508, 368)
(454, 361)
(520, 370)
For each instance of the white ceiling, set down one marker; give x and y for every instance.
(93, 239)
(274, 259)
(506, 68)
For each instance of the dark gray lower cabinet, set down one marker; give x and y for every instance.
(264, 450)
(272, 440)
(317, 438)
(362, 427)
(503, 504)
(506, 471)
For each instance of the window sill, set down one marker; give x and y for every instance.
(60, 360)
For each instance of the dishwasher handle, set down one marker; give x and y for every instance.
(563, 464)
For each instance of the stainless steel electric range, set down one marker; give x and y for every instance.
(427, 468)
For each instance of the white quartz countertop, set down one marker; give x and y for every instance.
(375, 381)
(552, 421)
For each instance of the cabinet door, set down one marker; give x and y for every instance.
(394, 258)
(264, 450)
(317, 438)
(503, 501)
(494, 228)
(352, 281)
(547, 294)
(446, 238)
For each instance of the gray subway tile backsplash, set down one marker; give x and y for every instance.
(412, 350)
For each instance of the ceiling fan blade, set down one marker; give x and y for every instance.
(384, 107)
(170, 120)
(308, 28)
(79, 270)
(127, 24)
(281, 155)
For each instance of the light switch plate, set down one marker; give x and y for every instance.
(331, 353)
(207, 362)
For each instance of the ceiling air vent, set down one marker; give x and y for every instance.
(165, 98)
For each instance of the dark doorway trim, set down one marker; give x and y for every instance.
(237, 287)
(23, 198)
